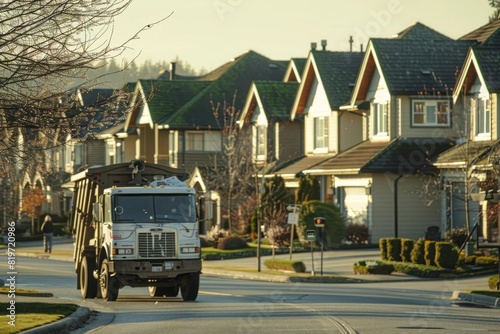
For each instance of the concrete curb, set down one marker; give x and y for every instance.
(477, 299)
(73, 321)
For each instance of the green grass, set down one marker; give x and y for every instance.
(492, 293)
(30, 315)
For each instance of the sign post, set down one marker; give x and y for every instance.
(293, 219)
(311, 237)
(319, 222)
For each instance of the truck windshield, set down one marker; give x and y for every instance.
(154, 208)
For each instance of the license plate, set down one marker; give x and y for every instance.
(155, 269)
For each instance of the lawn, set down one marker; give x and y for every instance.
(30, 315)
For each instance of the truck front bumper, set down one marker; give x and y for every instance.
(154, 270)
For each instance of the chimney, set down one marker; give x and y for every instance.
(172, 70)
(323, 44)
(361, 46)
(350, 43)
(313, 46)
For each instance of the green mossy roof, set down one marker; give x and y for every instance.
(420, 67)
(277, 97)
(338, 71)
(228, 85)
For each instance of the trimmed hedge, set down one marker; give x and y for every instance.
(418, 252)
(446, 255)
(373, 267)
(231, 242)
(277, 264)
(486, 260)
(406, 248)
(430, 253)
(394, 249)
(382, 244)
(493, 282)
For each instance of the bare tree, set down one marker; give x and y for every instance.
(232, 172)
(48, 48)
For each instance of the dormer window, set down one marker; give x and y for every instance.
(430, 113)
(380, 118)
(321, 134)
(483, 117)
(260, 142)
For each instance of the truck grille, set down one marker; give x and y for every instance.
(157, 244)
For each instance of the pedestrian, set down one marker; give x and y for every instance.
(48, 233)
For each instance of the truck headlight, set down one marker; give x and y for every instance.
(188, 250)
(123, 251)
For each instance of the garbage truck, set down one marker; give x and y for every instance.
(136, 224)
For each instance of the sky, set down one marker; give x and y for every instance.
(208, 33)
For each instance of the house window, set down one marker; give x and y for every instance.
(261, 142)
(203, 141)
(380, 113)
(321, 133)
(172, 148)
(483, 117)
(430, 113)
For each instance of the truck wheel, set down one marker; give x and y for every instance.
(189, 287)
(167, 291)
(88, 284)
(108, 284)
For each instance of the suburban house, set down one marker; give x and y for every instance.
(402, 96)
(326, 84)
(181, 122)
(266, 118)
(469, 171)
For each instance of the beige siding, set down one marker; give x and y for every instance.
(129, 148)
(417, 209)
(95, 152)
(162, 156)
(290, 140)
(200, 159)
(350, 130)
(382, 224)
(494, 114)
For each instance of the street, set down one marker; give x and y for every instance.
(243, 306)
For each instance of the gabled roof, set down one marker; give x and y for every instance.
(419, 31)
(400, 156)
(294, 70)
(95, 96)
(412, 67)
(350, 160)
(482, 61)
(465, 154)
(291, 168)
(228, 86)
(274, 98)
(483, 33)
(165, 97)
(488, 59)
(336, 71)
(408, 156)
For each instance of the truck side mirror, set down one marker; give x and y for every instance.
(96, 212)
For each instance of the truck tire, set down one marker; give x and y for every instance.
(88, 284)
(108, 284)
(189, 287)
(167, 291)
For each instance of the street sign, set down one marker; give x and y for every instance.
(311, 235)
(293, 218)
